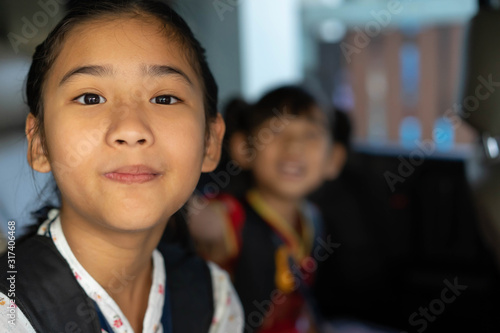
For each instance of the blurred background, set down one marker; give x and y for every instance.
(410, 209)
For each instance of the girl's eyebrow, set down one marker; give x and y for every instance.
(164, 70)
(149, 70)
(88, 70)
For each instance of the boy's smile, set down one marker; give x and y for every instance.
(295, 161)
(292, 170)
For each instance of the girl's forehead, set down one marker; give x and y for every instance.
(126, 44)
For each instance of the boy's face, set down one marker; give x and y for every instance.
(295, 160)
(125, 125)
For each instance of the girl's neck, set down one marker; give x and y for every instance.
(284, 206)
(121, 262)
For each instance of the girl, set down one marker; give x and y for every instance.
(123, 113)
(267, 238)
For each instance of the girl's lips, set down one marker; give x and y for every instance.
(134, 174)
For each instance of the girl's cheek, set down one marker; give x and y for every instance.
(69, 149)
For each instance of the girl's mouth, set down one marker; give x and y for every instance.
(133, 174)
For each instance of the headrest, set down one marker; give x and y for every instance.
(480, 91)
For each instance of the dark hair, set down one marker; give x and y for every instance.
(342, 128)
(235, 113)
(293, 100)
(84, 11)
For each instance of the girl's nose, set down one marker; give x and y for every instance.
(129, 128)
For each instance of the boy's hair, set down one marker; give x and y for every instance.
(282, 101)
(342, 128)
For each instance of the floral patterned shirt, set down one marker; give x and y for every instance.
(228, 313)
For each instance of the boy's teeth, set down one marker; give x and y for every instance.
(291, 168)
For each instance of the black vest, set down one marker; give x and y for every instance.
(255, 269)
(52, 300)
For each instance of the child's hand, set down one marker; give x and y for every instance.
(207, 225)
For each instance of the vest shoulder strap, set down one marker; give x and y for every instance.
(190, 287)
(45, 289)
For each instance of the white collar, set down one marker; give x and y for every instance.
(114, 316)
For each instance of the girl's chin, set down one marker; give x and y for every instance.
(133, 222)
(132, 227)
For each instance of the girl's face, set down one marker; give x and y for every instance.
(296, 159)
(125, 125)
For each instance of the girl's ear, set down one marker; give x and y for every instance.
(214, 144)
(36, 156)
(336, 161)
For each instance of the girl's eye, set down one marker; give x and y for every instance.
(164, 99)
(90, 99)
